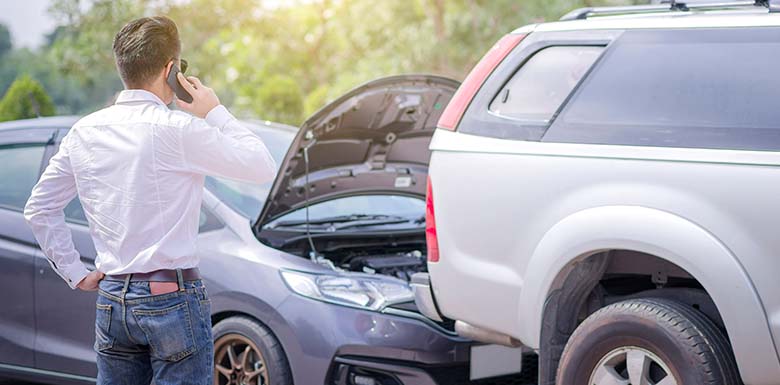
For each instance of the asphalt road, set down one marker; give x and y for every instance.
(527, 378)
(487, 382)
(494, 382)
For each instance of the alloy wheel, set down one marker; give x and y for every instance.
(238, 361)
(631, 366)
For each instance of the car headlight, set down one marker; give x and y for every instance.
(355, 290)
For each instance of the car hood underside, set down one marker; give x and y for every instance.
(373, 140)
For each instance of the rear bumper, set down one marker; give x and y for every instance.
(423, 296)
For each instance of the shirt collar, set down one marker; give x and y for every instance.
(135, 96)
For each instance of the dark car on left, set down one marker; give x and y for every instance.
(277, 335)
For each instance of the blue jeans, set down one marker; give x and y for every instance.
(163, 338)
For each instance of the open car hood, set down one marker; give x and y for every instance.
(372, 140)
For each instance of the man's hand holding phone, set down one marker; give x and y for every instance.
(204, 99)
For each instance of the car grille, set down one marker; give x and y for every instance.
(345, 373)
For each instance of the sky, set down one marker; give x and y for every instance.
(27, 20)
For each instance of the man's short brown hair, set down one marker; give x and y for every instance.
(143, 47)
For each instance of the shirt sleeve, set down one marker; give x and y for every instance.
(44, 213)
(221, 146)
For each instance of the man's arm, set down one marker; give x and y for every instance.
(220, 145)
(44, 213)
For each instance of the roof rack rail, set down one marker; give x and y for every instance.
(668, 6)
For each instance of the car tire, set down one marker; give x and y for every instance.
(635, 340)
(254, 343)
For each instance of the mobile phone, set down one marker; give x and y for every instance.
(173, 81)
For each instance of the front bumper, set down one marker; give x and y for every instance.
(359, 371)
(319, 337)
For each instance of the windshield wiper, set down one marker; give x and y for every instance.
(356, 219)
(372, 222)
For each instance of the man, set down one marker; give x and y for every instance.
(138, 169)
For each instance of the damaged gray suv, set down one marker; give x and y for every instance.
(308, 276)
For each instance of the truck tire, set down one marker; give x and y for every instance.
(647, 341)
(246, 352)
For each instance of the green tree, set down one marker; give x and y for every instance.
(281, 60)
(25, 99)
(279, 98)
(80, 54)
(5, 40)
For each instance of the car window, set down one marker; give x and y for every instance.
(248, 198)
(74, 212)
(702, 88)
(391, 205)
(537, 90)
(19, 173)
(245, 198)
(208, 221)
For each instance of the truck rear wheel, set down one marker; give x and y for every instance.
(647, 342)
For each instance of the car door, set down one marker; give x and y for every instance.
(65, 318)
(21, 155)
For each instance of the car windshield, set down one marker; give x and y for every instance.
(248, 198)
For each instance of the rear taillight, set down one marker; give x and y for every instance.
(430, 225)
(460, 101)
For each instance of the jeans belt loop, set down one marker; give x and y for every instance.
(180, 279)
(125, 287)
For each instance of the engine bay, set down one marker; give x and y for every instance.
(399, 265)
(397, 254)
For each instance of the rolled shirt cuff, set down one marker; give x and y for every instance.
(219, 116)
(74, 273)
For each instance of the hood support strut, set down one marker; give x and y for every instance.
(313, 252)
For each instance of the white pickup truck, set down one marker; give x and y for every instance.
(605, 191)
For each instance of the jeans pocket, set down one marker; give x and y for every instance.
(103, 338)
(168, 331)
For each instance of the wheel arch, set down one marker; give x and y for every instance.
(575, 250)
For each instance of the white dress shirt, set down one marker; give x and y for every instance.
(138, 168)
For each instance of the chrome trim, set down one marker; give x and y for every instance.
(421, 318)
(50, 373)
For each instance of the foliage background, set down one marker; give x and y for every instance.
(25, 99)
(279, 60)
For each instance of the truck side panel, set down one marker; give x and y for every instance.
(491, 246)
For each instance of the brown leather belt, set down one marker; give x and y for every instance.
(164, 275)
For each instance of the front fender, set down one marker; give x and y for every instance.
(667, 236)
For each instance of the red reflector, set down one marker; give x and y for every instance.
(460, 101)
(430, 225)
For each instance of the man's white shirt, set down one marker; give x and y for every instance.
(138, 169)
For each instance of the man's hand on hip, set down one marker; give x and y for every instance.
(91, 281)
(203, 98)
